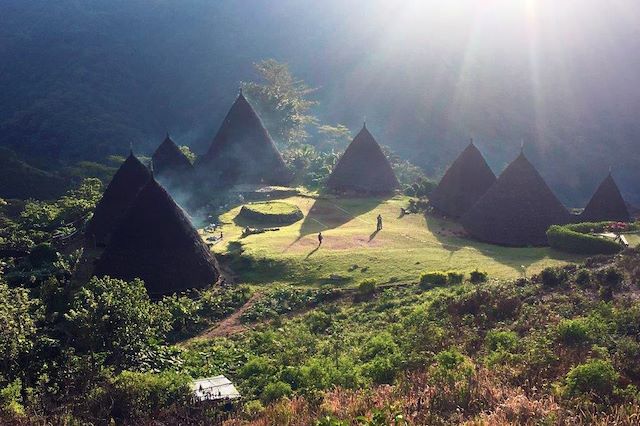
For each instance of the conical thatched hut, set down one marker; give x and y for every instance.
(606, 204)
(130, 178)
(466, 180)
(156, 242)
(242, 151)
(363, 168)
(169, 162)
(517, 210)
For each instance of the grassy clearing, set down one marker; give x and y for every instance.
(352, 251)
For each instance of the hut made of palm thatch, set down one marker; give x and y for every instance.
(465, 181)
(606, 204)
(363, 168)
(125, 185)
(170, 162)
(242, 151)
(517, 210)
(156, 242)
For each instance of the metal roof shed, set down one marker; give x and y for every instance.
(217, 388)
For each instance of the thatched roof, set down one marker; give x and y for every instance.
(466, 180)
(517, 210)
(363, 168)
(243, 152)
(116, 200)
(169, 161)
(156, 242)
(606, 204)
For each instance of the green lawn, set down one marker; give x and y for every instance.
(404, 248)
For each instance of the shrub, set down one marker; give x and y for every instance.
(610, 280)
(318, 321)
(11, 399)
(501, 340)
(454, 278)
(574, 239)
(553, 277)
(574, 332)
(275, 391)
(138, 395)
(382, 369)
(597, 376)
(433, 279)
(610, 277)
(252, 409)
(116, 318)
(43, 254)
(366, 288)
(477, 277)
(583, 277)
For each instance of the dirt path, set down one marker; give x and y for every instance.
(231, 325)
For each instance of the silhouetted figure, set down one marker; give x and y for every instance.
(379, 224)
(320, 238)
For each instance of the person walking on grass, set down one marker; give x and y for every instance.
(379, 225)
(320, 238)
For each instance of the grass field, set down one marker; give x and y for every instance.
(352, 251)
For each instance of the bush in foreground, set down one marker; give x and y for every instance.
(477, 277)
(597, 377)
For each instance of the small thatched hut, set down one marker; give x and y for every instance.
(156, 242)
(517, 210)
(466, 180)
(130, 178)
(606, 204)
(242, 151)
(363, 168)
(170, 162)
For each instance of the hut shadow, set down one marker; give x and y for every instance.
(330, 212)
(453, 238)
(448, 234)
(521, 258)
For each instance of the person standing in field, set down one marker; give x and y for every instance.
(320, 238)
(379, 225)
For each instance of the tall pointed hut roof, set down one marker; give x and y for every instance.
(606, 204)
(156, 242)
(125, 185)
(170, 161)
(363, 168)
(243, 152)
(466, 180)
(517, 210)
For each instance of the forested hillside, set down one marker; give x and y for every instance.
(81, 80)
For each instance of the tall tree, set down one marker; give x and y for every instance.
(282, 102)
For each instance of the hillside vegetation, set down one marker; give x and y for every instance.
(319, 338)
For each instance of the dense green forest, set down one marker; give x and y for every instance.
(82, 80)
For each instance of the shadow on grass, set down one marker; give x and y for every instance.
(254, 270)
(373, 234)
(445, 232)
(311, 253)
(451, 237)
(332, 212)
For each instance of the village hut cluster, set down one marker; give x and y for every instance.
(141, 232)
(518, 207)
